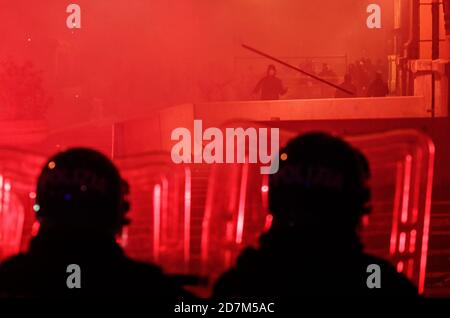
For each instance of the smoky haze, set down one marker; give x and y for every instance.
(135, 56)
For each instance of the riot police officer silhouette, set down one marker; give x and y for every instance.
(312, 250)
(81, 207)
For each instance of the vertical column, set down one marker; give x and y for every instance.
(426, 29)
(430, 71)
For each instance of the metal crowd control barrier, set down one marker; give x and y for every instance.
(18, 173)
(236, 208)
(236, 211)
(160, 196)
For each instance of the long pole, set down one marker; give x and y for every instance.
(296, 68)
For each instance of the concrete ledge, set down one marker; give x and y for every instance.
(314, 109)
(153, 133)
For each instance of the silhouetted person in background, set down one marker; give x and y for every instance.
(270, 86)
(81, 206)
(312, 250)
(378, 88)
(329, 75)
(348, 85)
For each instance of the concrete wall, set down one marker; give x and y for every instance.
(153, 133)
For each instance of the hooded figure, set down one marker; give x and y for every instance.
(270, 86)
